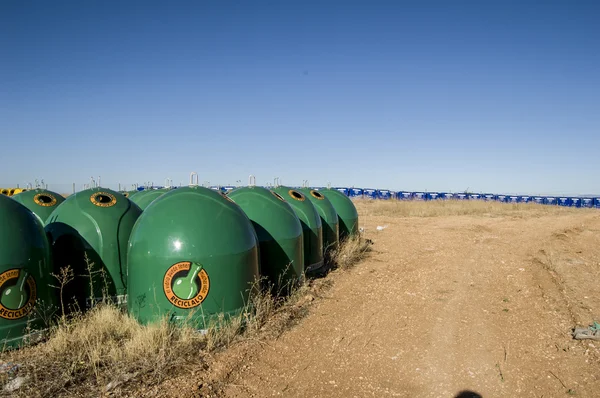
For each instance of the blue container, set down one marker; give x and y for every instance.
(228, 188)
(369, 193)
(418, 196)
(538, 199)
(550, 200)
(575, 202)
(403, 195)
(345, 191)
(445, 195)
(597, 203)
(525, 199)
(474, 196)
(355, 192)
(587, 202)
(384, 194)
(564, 201)
(502, 198)
(460, 196)
(433, 196)
(488, 197)
(513, 199)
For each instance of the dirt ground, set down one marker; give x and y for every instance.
(482, 303)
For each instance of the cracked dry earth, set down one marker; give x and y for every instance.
(479, 303)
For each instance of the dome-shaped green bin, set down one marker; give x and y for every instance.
(279, 233)
(193, 254)
(129, 194)
(329, 218)
(311, 226)
(144, 198)
(347, 214)
(25, 266)
(40, 201)
(95, 222)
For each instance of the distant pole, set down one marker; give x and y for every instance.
(73, 187)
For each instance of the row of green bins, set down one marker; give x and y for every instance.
(193, 252)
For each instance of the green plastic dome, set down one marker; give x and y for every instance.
(329, 218)
(129, 194)
(311, 226)
(193, 254)
(25, 267)
(144, 198)
(347, 214)
(279, 233)
(40, 201)
(96, 222)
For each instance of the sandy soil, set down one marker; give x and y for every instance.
(478, 303)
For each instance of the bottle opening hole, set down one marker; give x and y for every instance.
(296, 195)
(278, 196)
(45, 199)
(103, 199)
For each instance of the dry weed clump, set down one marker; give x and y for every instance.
(350, 252)
(453, 207)
(106, 351)
(101, 349)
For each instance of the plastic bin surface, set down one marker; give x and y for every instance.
(575, 202)
(564, 201)
(403, 195)
(418, 195)
(369, 193)
(384, 194)
(433, 196)
(587, 202)
(355, 192)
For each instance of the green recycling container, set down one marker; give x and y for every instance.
(311, 226)
(95, 222)
(40, 201)
(192, 256)
(329, 218)
(144, 198)
(26, 298)
(129, 194)
(279, 234)
(347, 214)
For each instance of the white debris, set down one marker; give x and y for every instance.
(15, 384)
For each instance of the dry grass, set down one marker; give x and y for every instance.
(105, 351)
(440, 208)
(350, 252)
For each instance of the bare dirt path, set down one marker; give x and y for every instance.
(444, 304)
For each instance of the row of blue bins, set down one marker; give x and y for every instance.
(385, 194)
(568, 201)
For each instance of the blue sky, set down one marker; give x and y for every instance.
(496, 96)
